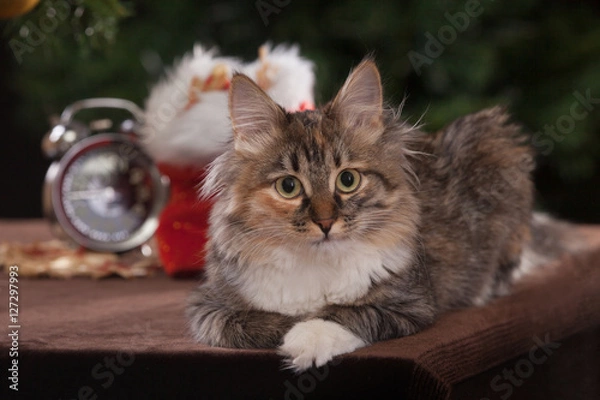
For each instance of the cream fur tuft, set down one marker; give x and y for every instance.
(302, 279)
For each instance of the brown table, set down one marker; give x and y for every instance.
(128, 339)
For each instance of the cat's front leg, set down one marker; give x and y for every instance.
(219, 318)
(388, 312)
(317, 341)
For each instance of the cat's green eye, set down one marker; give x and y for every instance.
(288, 187)
(348, 180)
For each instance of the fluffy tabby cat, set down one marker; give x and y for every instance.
(339, 227)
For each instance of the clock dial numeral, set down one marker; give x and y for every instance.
(143, 193)
(139, 209)
(128, 152)
(136, 176)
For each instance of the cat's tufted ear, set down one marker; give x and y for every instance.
(255, 117)
(360, 101)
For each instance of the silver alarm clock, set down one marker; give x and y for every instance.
(102, 191)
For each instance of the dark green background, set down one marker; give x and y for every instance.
(530, 55)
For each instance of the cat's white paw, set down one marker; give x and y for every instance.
(317, 341)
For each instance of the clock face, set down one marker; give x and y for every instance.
(107, 193)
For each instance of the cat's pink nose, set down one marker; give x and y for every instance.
(325, 224)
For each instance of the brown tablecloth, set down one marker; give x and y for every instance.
(128, 339)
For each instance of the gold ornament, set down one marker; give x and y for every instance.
(14, 8)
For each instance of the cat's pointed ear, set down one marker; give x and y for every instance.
(360, 101)
(255, 117)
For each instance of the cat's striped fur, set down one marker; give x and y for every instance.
(437, 222)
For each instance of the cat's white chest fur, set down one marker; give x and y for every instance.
(302, 280)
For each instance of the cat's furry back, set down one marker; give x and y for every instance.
(476, 200)
(339, 227)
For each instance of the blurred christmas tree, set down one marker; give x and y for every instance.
(537, 57)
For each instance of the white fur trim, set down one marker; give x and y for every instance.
(181, 133)
(188, 137)
(195, 137)
(292, 77)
